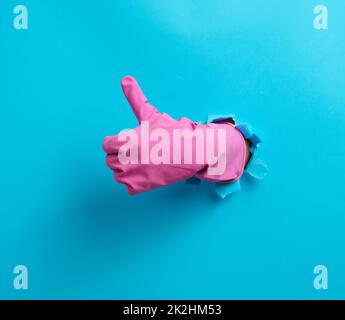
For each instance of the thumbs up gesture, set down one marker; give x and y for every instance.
(153, 155)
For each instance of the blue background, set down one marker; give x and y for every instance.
(78, 232)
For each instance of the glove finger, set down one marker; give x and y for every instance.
(137, 100)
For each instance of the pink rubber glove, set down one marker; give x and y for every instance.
(145, 175)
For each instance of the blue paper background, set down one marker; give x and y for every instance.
(78, 232)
